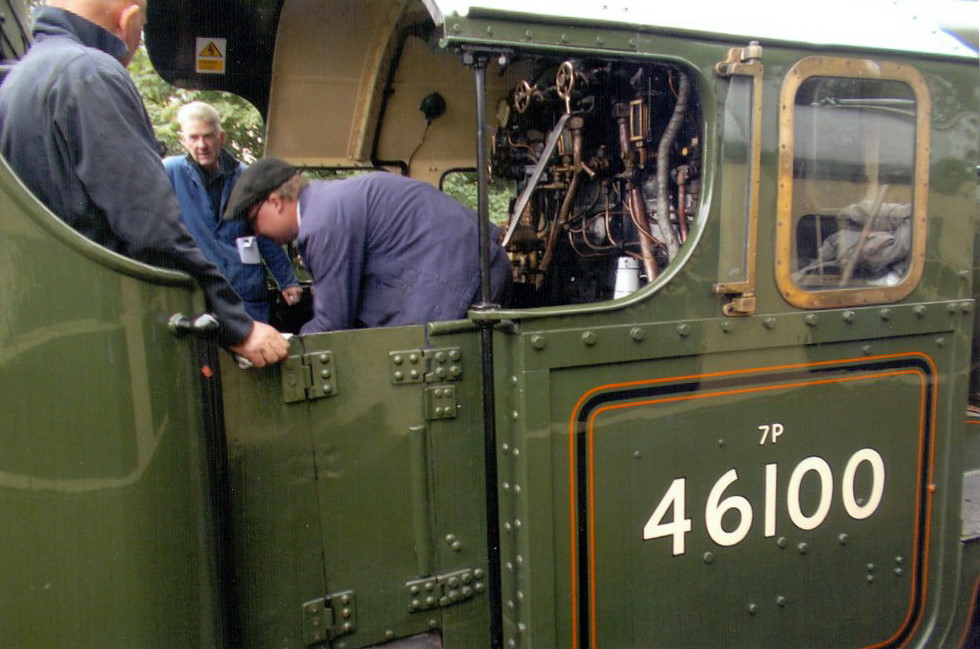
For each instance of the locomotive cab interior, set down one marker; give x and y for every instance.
(595, 163)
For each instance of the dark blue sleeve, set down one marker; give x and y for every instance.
(334, 256)
(278, 263)
(135, 195)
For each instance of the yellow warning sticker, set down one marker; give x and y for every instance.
(210, 55)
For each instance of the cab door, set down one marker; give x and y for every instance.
(108, 530)
(357, 490)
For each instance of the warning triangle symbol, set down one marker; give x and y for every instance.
(210, 50)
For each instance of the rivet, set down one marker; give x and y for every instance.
(507, 527)
(489, 30)
(966, 307)
(457, 546)
(517, 451)
(753, 609)
(782, 542)
(886, 314)
(870, 567)
(727, 326)
(870, 578)
(414, 374)
(440, 357)
(455, 355)
(709, 557)
(450, 538)
(389, 634)
(899, 560)
(413, 358)
(537, 341)
(325, 374)
(599, 40)
(564, 38)
(866, 349)
(940, 342)
(433, 624)
(324, 358)
(637, 455)
(843, 538)
(528, 35)
(399, 376)
(811, 319)
(899, 571)
(721, 442)
(517, 523)
(920, 310)
(636, 334)
(327, 388)
(514, 415)
(780, 601)
(589, 338)
(684, 329)
(848, 316)
(769, 323)
(803, 547)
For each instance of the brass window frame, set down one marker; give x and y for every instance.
(849, 68)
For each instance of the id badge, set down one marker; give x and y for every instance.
(248, 250)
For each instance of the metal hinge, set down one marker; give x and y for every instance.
(307, 377)
(429, 366)
(329, 617)
(440, 591)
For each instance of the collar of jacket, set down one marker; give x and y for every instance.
(52, 21)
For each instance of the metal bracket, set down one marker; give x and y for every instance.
(440, 402)
(428, 366)
(307, 377)
(328, 617)
(440, 591)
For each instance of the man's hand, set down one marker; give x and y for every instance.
(292, 295)
(263, 346)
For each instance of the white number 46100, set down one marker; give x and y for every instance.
(669, 518)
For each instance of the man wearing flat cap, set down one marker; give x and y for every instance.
(382, 249)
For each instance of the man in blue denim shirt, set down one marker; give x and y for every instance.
(203, 180)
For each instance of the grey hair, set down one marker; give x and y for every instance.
(198, 110)
(290, 189)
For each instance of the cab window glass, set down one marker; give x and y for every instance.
(851, 153)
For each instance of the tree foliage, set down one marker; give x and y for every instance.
(240, 120)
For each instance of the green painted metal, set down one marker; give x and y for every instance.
(359, 518)
(104, 495)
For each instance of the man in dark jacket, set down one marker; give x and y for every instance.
(382, 249)
(74, 128)
(203, 180)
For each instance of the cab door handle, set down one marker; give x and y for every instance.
(203, 326)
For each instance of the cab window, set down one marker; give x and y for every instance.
(852, 182)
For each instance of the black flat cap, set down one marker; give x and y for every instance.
(255, 184)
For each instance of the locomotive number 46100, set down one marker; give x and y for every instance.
(718, 505)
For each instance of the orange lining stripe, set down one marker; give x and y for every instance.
(647, 382)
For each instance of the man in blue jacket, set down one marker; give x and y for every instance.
(383, 250)
(203, 180)
(70, 115)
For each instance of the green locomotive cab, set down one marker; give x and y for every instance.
(723, 407)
